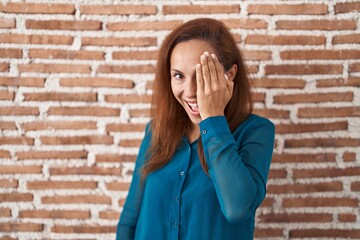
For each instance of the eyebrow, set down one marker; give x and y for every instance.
(175, 70)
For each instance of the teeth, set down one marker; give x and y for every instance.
(193, 106)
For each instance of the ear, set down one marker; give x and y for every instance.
(232, 72)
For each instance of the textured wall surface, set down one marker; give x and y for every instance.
(75, 87)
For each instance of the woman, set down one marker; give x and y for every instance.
(203, 164)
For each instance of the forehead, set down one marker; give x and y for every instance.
(188, 53)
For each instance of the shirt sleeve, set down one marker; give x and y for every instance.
(127, 224)
(238, 167)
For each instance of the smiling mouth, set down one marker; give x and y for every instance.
(194, 108)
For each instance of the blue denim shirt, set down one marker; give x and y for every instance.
(180, 201)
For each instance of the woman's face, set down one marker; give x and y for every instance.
(183, 61)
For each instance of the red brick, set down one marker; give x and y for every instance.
(139, 113)
(347, 217)
(4, 67)
(246, 23)
(326, 172)
(83, 229)
(272, 113)
(299, 69)
(8, 126)
(55, 214)
(14, 111)
(324, 233)
(319, 202)
(268, 233)
(304, 158)
(16, 141)
(256, 55)
(347, 7)
(37, 8)
(21, 227)
(252, 69)
(284, 40)
(18, 169)
(295, 218)
(125, 127)
(61, 96)
(84, 111)
(327, 25)
(121, 41)
(322, 142)
(128, 98)
(10, 53)
(338, 82)
(77, 140)
(36, 39)
(54, 68)
(63, 54)
(126, 69)
(7, 95)
(16, 197)
(9, 183)
(61, 185)
(117, 186)
(82, 199)
(311, 127)
(355, 186)
(130, 143)
(200, 9)
(7, 23)
(33, 155)
(7, 238)
(109, 215)
(97, 82)
(118, 9)
(22, 81)
(135, 55)
(144, 25)
(100, 158)
(346, 38)
(267, 203)
(52, 125)
(63, 25)
(287, 9)
(258, 97)
(329, 112)
(277, 173)
(314, 97)
(320, 54)
(84, 170)
(334, 186)
(355, 67)
(349, 156)
(279, 83)
(5, 212)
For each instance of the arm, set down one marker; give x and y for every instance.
(238, 167)
(129, 216)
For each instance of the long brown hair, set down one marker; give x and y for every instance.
(170, 122)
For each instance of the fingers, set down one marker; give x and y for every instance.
(199, 78)
(205, 71)
(213, 72)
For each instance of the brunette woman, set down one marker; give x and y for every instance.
(203, 164)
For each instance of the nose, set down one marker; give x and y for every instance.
(190, 88)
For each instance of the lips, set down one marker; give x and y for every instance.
(194, 108)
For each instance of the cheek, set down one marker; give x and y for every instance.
(175, 90)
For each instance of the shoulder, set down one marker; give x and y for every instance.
(255, 123)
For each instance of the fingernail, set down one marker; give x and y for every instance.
(202, 58)
(206, 54)
(226, 76)
(213, 56)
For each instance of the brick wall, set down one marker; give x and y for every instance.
(75, 87)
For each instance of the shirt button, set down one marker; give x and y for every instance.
(204, 131)
(182, 173)
(189, 149)
(175, 224)
(177, 199)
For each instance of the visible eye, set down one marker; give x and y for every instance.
(178, 76)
